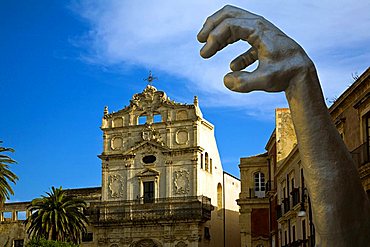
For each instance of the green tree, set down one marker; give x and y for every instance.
(6, 175)
(57, 216)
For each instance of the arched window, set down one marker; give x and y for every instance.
(219, 196)
(259, 184)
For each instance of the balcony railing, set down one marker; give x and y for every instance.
(256, 194)
(175, 208)
(300, 243)
(361, 154)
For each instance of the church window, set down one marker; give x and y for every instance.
(148, 192)
(157, 118)
(149, 159)
(206, 161)
(259, 184)
(142, 120)
(219, 196)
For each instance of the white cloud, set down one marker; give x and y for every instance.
(161, 35)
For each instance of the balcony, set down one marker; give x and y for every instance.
(135, 211)
(300, 243)
(253, 193)
(360, 155)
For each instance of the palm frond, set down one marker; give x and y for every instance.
(6, 175)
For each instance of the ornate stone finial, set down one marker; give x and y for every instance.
(106, 112)
(196, 100)
(150, 78)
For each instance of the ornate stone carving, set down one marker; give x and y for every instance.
(150, 134)
(193, 238)
(168, 238)
(116, 186)
(181, 244)
(146, 243)
(102, 240)
(181, 182)
(150, 99)
(182, 137)
(128, 163)
(148, 172)
(127, 240)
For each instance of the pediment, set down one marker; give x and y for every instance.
(148, 147)
(148, 172)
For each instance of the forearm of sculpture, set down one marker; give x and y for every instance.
(340, 205)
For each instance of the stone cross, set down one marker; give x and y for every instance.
(150, 78)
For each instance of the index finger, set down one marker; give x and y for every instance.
(215, 19)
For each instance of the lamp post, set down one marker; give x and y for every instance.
(302, 213)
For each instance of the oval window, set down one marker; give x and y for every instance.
(149, 159)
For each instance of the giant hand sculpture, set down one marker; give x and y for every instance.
(341, 209)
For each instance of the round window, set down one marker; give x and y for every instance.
(149, 159)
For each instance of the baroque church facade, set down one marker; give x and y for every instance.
(162, 181)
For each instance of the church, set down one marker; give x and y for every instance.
(162, 182)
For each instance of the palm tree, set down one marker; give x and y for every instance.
(57, 216)
(6, 175)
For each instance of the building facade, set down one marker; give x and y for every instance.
(162, 179)
(253, 201)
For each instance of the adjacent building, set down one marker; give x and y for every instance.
(162, 181)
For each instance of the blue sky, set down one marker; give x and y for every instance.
(63, 61)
